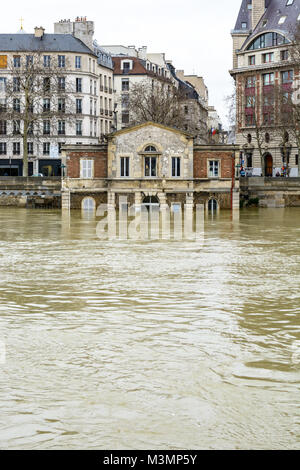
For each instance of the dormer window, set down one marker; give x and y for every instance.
(282, 20)
(289, 2)
(244, 25)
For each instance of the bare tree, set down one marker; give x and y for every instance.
(159, 102)
(38, 100)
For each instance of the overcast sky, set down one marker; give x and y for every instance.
(194, 34)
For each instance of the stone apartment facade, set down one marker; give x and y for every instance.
(88, 72)
(133, 66)
(150, 163)
(262, 39)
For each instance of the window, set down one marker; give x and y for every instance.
(125, 117)
(126, 67)
(60, 144)
(30, 148)
(46, 127)
(78, 127)
(150, 166)
(88, 204)
(61, 127)
(47, 60)
(86, 169)
(267, 40)
(16, 127)
(284, 55)
(250, 101)
(287, 76)
(79, 106)
(268, 118)
(249, 160)
(186, 110)
(3, 127)
(249, 138)
(125, 84)
(46, 148)
(16, 148)
(61, 61)
(251, 60)
(2, 84)
(78, 85)
(16, 84)
(61, 105)
(61, 83)
(267, 137)
(212, 205)
(29, 60)
(250, 82)
(289, 2)
(175, 166)
(2, 148)
(125, 101)
(124, 166)
(16, 105)
(249, 120)
(269, 57)
(244, 25)
(46, 105)
(78, 62)
(46, 84)
(268, 79)
(3, 61)
(17, 61)
(213, 168)
(281, 19)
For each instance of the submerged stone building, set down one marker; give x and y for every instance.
(154, 164)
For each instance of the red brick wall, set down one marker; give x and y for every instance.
(100, 162)
(201, 164)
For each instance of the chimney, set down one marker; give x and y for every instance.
(39, 32)
(258, 9)
(81, 29)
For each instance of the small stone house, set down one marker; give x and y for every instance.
(150, 163)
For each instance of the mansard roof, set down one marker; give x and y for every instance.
(48, 43)
(275, 9)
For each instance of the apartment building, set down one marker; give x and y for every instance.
(262, 41)
(85, 71)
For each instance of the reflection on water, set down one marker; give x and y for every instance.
(158, 344)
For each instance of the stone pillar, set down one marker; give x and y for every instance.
(137, 201)
(236, 200)
(66, 200)
(111, 200)
(188, 215)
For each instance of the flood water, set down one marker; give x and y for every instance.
(122, 344)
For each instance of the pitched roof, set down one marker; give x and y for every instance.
(146, 124)
(48, 43)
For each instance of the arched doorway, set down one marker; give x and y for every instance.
(151, 202)
(212, 205)
(268, 165)
(88, 204)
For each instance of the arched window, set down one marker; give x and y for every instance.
(267, 40)
(88, 204)
(212, 205)
(150, 148)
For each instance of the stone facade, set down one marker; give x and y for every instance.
(180, 172)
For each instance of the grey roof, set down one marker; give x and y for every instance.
(49, 43)
(244, 16)
(275, 10)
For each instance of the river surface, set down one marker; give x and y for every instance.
(123, 344)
